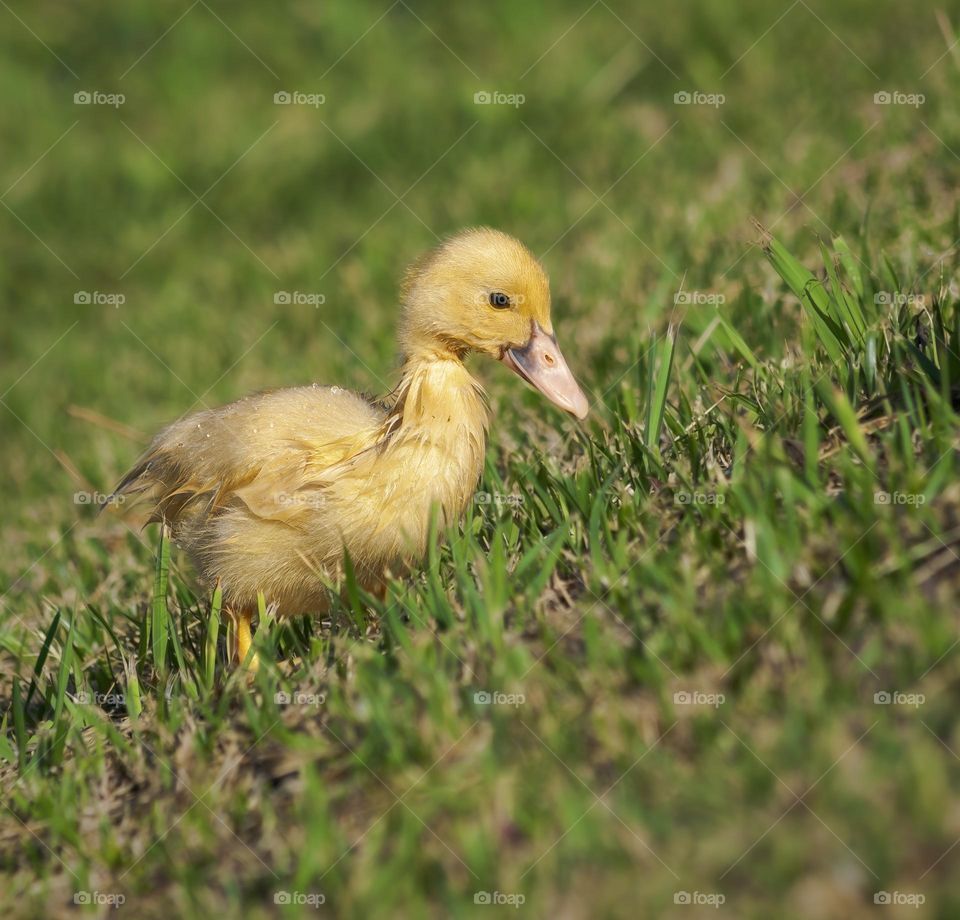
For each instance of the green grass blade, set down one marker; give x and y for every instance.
(42, 658)
(809, 291)
(210, 643)
(161, 616)
(739, 344)
(659, 383)
(850, 263)
(60, 723)
(133, 700)
(19, 725)
(842, 410)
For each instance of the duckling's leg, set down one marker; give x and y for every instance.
(242, 640)
(379, 589)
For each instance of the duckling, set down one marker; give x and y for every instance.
(267, 493)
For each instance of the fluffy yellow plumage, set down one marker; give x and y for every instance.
(265, 494)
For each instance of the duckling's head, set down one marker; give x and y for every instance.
(482, 290)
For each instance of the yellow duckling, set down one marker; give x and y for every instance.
(264, 494)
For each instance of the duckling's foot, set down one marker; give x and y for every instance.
(242, 653)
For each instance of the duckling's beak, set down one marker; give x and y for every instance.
(542, 365)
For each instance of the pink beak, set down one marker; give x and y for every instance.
(542, 365)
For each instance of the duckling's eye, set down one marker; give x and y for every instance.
(499, 300)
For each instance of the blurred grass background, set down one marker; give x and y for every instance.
(628, 196)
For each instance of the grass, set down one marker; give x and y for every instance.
(648, 661)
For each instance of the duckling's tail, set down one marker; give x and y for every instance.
(170, 498)
(156, 478)
(174, 485)
(133, 483)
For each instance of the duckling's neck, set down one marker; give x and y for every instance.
(438, 396)
(434, 438)
(428, 454)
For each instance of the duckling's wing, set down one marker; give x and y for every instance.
(260, 450)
